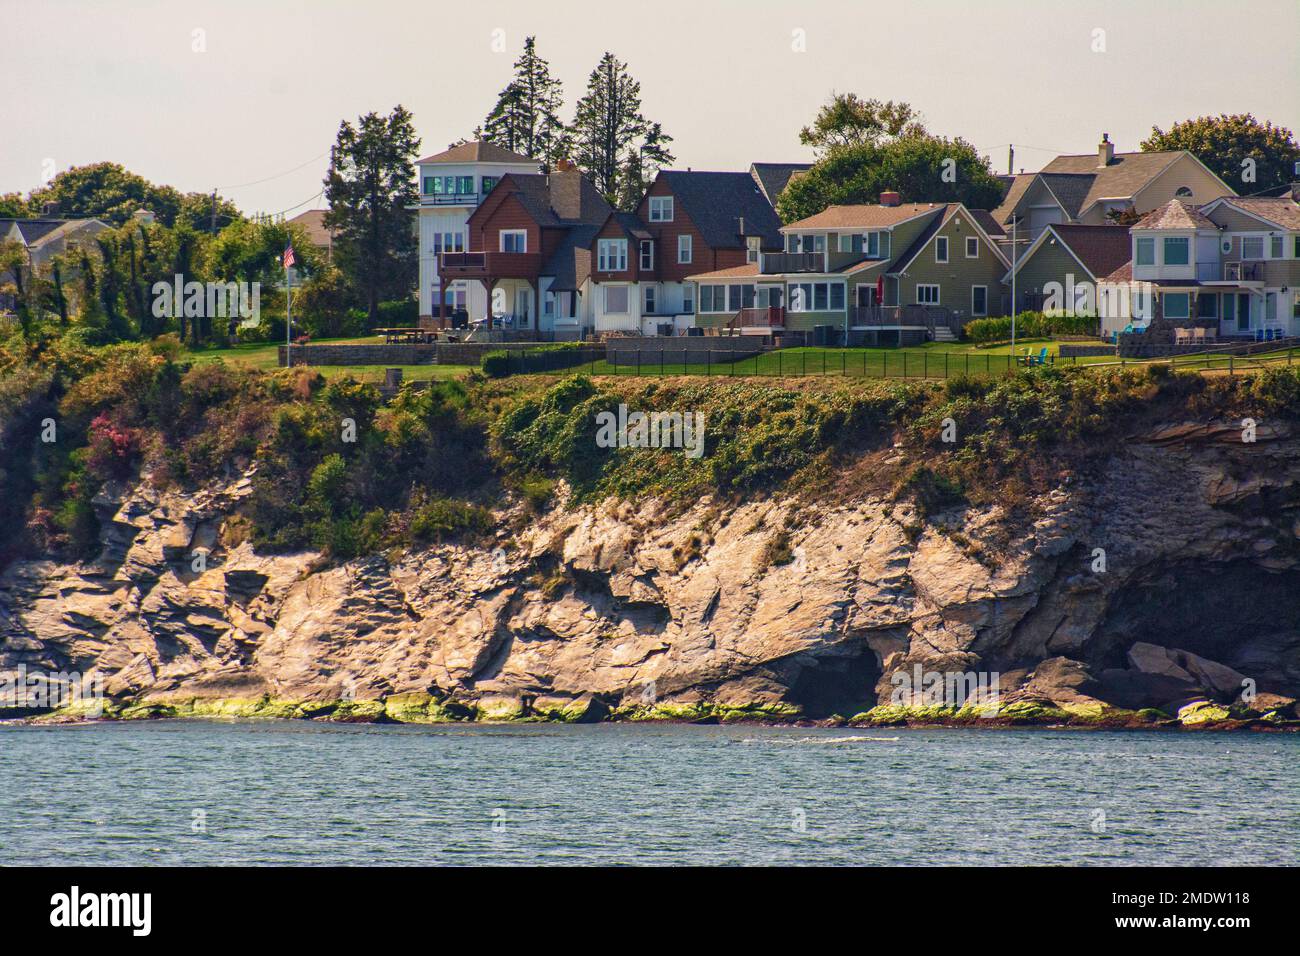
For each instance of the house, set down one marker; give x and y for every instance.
(1231, 266)
(687, 222)
(312, 223)
(43, 239)
(772, 178)
(528, 252)
(453, 184)
(1090, 189)
(894, 270)
(1074, 257)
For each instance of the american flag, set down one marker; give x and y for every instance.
(288, 256)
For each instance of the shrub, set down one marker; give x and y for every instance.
(497, 364)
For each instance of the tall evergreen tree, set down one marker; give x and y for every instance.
(526, 118)
(369, 186)
(612, 142)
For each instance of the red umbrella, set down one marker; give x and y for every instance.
(880, 289)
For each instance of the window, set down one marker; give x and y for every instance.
(979, 300)
(927, 294)
(741, 297)
(548, 303)
(684, 248)
(1182, 193)
(661, 208)
(648, 299)
(647, 255)
(428, 184)
(1252, 247)
(808, 243)
(713, 298)
(448, 242)
(1275, 247)
(941, 249)
(616, 299)
(816, 296)
(611, 255)
(846, 242)
(752, 248)
(688, 299)
(972, 247)
(1295, 305)
(488, 183)
(1176, 305)
(1295, 252)
(514, 240)
(1207, 306)
(465, 185)
(873, 245)
(1176, 251)
(1146, 252)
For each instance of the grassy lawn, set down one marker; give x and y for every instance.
(264, 356)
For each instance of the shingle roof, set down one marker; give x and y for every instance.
(478, 151)
(563, 261)
(313, 223)
(1101, 249)
(534, 191)
(1174, 214)
(1071, 189)
(735, 272)
(933, 226)
(774, 177)
(717, 201)
(864, 216)
(988, 223)
(1282, 210)
(1019, 184)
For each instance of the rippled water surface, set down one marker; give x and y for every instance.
(179, 792)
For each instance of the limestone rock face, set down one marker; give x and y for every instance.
(1172, 579)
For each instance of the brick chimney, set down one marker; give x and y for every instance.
(1105, 151)
(890, 198)
(566, 191)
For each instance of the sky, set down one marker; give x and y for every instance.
(246, 96)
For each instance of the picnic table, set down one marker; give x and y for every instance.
(406, 335)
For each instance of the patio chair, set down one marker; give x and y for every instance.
(1198, 335)
(1180, 336)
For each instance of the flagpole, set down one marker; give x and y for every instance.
(288, 316)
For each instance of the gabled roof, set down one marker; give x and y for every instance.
(633, 227)
(950, 210)
(864, 216)
(478, 151)
(313, 224)
(1175, 214)
(772, 178)
(1281, 211)
(991, 226)
(534, 191)
(1070, 189)
(32, 230)
(1100, 250)
(716, 202)
(748, 270)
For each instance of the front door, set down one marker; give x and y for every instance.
(1243, 311)
(866, 296)
(521, 306)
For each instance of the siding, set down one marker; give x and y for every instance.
(1049, 263)
(956, 277)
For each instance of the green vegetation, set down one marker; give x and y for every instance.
(340, 470)
(1029, 325)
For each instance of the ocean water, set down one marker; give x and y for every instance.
(182, 792)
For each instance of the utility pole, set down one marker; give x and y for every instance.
(1011, 159)
(213, 227)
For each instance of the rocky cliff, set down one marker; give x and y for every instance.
(1170, 583)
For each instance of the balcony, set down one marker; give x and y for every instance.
(906, 317)
(452, 199)
(779, 263)
(1243, 272)
(489, 265)
(762, 319)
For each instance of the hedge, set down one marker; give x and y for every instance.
(1029, 325)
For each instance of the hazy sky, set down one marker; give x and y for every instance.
(91, 80)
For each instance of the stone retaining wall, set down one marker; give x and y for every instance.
(1085, 351)
(362, 354)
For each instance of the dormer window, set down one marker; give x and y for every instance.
(661, 208)
(514, 240)
(1183, 192)
(752, 244)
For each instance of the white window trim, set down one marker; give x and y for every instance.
(928, 285)
(753, 248)
(642, 247)
(513, 232)
(649, 299)
(615, 263)
(976, 240)
(986, 300)
(685, 249)
(946, 250)
(662, 203)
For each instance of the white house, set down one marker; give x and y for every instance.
(452, 184)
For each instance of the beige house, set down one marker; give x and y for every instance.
(1089, 189)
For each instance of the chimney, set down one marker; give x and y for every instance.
(742, 225)
(566, 192)
(1105, 151)
(890, 198)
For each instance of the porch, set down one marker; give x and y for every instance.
(906, 318)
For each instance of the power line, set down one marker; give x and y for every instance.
(258, 182)
(298, 206)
